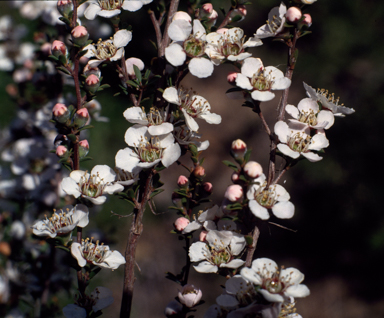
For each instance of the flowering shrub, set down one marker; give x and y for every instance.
(48, 135)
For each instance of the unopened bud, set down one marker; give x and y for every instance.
(58, 48)
(238, 149)
(293, 14)
(235, 177)
(173, 308)
(208, 187)
(46, 49)
(242, 9)
(190, 296)
(92, 83)
(182, 181)
(199, 171)
(81, 117)
(203, 235)
(253, 169)
(60, 113)
(207, 7)
(181, 223)
(89, 70)
(61, 151)
(181, 15)
(234, 193)
(231, 78)
(238, 14)
(83, 148)
(5, 248)
(80, 35)
(65, 7)
(307, 19)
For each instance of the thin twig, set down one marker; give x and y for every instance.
(252, 248)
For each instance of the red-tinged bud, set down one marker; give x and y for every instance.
(61, 151)
(81, 117)
(242, 9)
(89, 70)
(60, 113)
(182, 181)
(307, 19)
(205, 10)
(238, 149)
(92, 83)
(235, 177)
(253, 169)
(65, 7)
(234, 193)
(83, 148)
(173, 309)
(208, 187)
(231, 78)
(58, 48)
(181, 223)
(80, 35)
(199, 171)
(203, 235)
(293, 14)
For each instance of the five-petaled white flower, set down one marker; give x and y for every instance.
(220, 251)
(275, 197)
(147, 150)
(328, 101)
(192, 106)
(295, 142)
(108, 50)
(188, 44)
(261, 80)
(97, 254)
(229, 44)
(275, 22)
(62, 222)
(276, 286)
(111, 8)
(92, 186)
(308, 114)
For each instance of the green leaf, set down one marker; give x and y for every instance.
(86, 127)
(249, 240)
(234, 206)
(247, 155)
(132, 83)
(230, 165)
(137, 73)
(86, 159)
(156, 192)
(72, 137)
(64, 70)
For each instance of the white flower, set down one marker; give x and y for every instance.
(148, 150)
(275, 197)
(261, 80)
(275, 23)
(207, 219)
(192, 106)
(185, 136)
(97, 254)
(62, 222)
(229, 44)
(109, 9)
(155, 120)
(191, 45)
(308, 114)
(276, 286)
(92, 186)
(190, 296)
(328, 101)
(220, 251)
(295, 143)
(109, 50)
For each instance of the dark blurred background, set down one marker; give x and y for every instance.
(339, 222)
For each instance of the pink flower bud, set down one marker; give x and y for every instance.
(238, 149)
(231, 77)
(199, 171)
(293, 14)
(173, 308)
(203, 235)
(80, 35)
(81, 117)
(92, 83)
(181, 223)
(84, 143)
(307, 19)
(190, 296)
(61, 151)
(242, 9)
(182, 181)
(58, 48)
(207, 7)
(60, 113)
(83, 148)
(88, 70)
(181, 15)
(235, 177)
(64, 7)
(234, 193)
(208, 187)
(253, 169)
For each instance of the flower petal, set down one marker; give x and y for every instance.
(175, 54)
(200, 67)
(284, 210)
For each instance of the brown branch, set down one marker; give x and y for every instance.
(252, 248)
(165, 41)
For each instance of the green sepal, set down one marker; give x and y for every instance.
(242, 178)
(52, 57)
(234, 206)
(247, 155)
(86, 159)
(82, 53)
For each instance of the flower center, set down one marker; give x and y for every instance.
(261, 81)
(122, 175)
(110, 4)
(330, 98)
(230, 45)
(220, 256)
(93, 252)
(273, 285)
(105, 49)
(192, 104)
(274, 24)
(308, 118)
(154, 117)
(149, 151)
(299, 142)
(246, 294)
(193, 46)
(58, 220)
(266, 197)
(93, 186)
